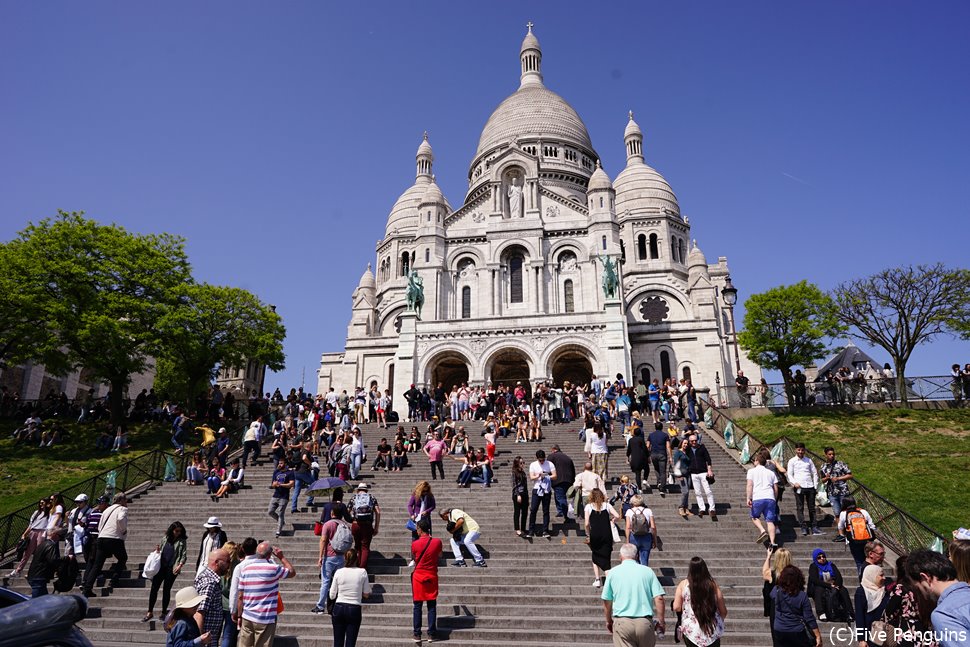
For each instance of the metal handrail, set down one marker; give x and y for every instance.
(927, 388)
(141, 471)
(897, 528)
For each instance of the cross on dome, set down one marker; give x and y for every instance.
(529, 25)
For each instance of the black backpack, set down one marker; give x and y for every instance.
(836, 605)
(67, 572)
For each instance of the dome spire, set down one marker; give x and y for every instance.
(633, 138)
(424, 158)
(530, 55)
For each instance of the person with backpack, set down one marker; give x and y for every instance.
(857, 527)
(641, 528)
(366, 514)
(826, 587)
(336, 538)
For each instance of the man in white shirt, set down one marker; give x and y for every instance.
(112, 532)
(762, 490)
(586, 481)
(804, 481)
(541, 473)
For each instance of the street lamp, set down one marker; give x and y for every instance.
(730, 295)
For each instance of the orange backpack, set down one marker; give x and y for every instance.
(858, 527)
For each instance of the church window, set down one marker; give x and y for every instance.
(683, 250)
(642, 246)
(622, 252)
(405, 264)
(673, 249)
(687, 373)
(654, 247)
(427, 254)
(665, 365)
(601, 202)
(568, 303)
(515, 279)
(654, 309)
(604, 243)
(466, 302)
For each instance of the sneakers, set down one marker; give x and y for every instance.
(701, 513)
(643, 484)
(411, 564)
(817, 531)
(317, 610)
(761, 538)
(597, 583)
(713, 516)
(838, 539)
(480, 564)
(823, 617)
(663, 492)
(459, 562)
(417, 640)
(804, 530)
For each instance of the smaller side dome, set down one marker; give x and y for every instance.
(367, 281)
(696, 257)
(424, 148)
(530, 41)
(599, 180)
(433, 195)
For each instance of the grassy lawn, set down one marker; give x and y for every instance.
(917, 459)
(29, 472)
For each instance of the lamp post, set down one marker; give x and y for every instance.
(730, 295)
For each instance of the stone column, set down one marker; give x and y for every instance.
(406, 362)
(616, 341)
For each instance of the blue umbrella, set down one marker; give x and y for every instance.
(326, 486)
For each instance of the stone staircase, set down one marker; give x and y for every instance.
(536, 592)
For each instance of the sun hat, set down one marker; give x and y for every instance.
(363, 486)
(213, 522)
(81, 498)
(187, 598)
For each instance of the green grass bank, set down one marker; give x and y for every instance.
(918, 459)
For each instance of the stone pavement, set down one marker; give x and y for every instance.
(534, 592)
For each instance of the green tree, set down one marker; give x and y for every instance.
(99, 292)
(899, 308)
(24, 334)
(788, 326)
(214, 326)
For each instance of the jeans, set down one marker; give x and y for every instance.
(213, 483)
(441, 468)
(230, 632)
(520, 511)
(346, 624)
(562, 505)
(164, 580)
(692, 411)
(363, 534)
(399, 462)
(858, 550)
(355, 465)
(660, 467)
(330, 565)
(684, 491)
(250, 447)
(644, 544)
(803, 496)
(538, 499)
(277, 510)
(193, 474)
(836, 501)
(298, 486)
(432, 617)
(107, 547)
(178, 442)
(38, 586)
(469, 540)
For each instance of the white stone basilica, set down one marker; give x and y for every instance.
(514, 278)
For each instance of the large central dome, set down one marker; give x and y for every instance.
(533, 111)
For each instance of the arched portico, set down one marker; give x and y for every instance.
(572, 363)
(448, 367)
(508, 365)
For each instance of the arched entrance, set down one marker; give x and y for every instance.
(572, 364)
(509, 366)
(449, 368)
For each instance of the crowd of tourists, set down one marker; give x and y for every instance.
(235, 597)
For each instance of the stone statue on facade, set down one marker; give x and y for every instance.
(610, 280)
(515, 200)
(414, 294)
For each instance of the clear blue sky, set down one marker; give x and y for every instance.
(818, 140)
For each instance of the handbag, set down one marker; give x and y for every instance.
(410, 525)
(153, 564)
(317, 528)
(616, 532)
(279, 602)
(22, 548)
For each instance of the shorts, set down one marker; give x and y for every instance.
(655, 405)
(766, 507)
